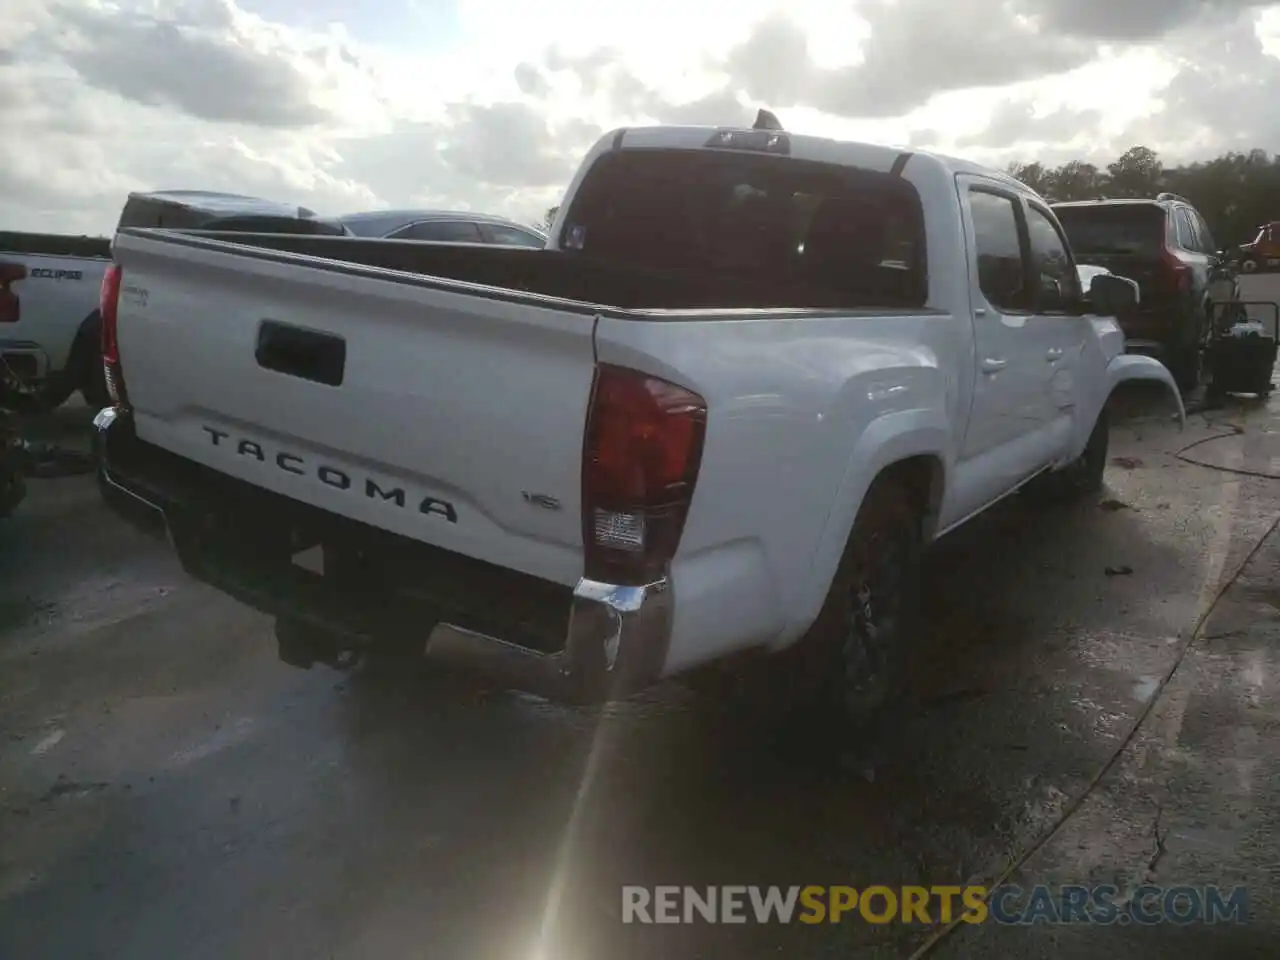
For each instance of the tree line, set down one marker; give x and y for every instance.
(1235, 192)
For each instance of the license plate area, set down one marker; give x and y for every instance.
(260, 547)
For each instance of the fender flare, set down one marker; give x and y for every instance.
(887, 440)
(1128, 367)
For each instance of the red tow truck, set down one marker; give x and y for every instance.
(1263, 253)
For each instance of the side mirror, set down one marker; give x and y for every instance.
(1110, 295)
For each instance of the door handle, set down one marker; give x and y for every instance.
(1053, 354)
(992, 365)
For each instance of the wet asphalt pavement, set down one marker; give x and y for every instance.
(169, 789)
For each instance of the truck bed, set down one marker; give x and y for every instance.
(550, 273)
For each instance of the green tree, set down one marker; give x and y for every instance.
(1075, 180)
(1135, 174)
(1034, 175)
(549, 217)
(1235, 192)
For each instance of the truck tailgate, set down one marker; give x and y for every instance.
(449, 417)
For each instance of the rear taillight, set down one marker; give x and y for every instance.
(108, 310)
(643, 448)
(1175, 274)
(10, 305)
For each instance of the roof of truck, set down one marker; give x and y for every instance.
(222, 203)
(1110, 202)
(806, 147)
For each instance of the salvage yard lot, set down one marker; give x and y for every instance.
(167, 788)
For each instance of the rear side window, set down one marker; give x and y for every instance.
(1187, 239)
(293, 225)
(441, 231)
(1002, 274)
(1207, 243)
(513, 237)
(146, 211)
(1135, 229)
(755, 229)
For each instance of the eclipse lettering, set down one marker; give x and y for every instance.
(330, 476)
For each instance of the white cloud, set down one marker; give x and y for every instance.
(99, 97)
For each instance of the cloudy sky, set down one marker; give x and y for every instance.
(346, 105)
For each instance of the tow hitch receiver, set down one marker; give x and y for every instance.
(1241, 355)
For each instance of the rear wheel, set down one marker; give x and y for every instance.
(845, 675)
(93, 379)
(94, 389)
(855, 654)
(1248, 265)
(57, 390)
(1186, 355)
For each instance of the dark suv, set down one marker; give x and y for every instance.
(1165, 245)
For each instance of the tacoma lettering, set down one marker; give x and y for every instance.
(330, 476)
(47, 273)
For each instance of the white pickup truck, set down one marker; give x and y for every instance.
(752, 375)
(48, 324)
(50, 331)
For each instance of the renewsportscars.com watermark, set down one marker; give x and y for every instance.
(1103, 904)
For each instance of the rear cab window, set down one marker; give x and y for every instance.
(1128, 229)
(441, 231)
(784, 231)
(510, 236)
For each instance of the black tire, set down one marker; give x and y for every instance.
(92, 380)
(1185, 356)
(1187, 367)
(1186, 363)
(57, 390)
(94, 389)
(1249, 265)
(859, 646)
(1083, 476)
(821, 689)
